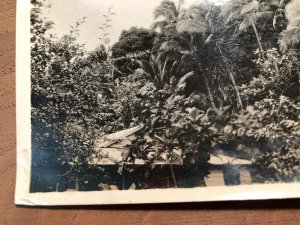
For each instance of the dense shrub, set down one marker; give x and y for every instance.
(133, 41)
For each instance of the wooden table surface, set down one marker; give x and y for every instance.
(253, 212)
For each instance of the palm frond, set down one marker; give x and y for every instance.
(231, 7)
(192, 26)
(254, 18)
(293, 10)
(159, 24)
(247, 22)
(169, 55)
(163, 61)
(174, 65)
(250, 7)
(266, 15)
(187, 57)
(185, 42)
(232, 17)
(170, 45)
(201, 17)
(163, 12)
(170, 29)
(289, 38)
(163, 72)
(166, 9)
(147, 67)
(268, 6)
(185, 77)
(198, 10)
(208, 39)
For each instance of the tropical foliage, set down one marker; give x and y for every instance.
(203, 78)
(133, 41)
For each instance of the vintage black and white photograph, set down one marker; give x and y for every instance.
(150, 95)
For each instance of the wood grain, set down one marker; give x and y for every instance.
(253, 212)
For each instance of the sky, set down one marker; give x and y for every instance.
(128, 13)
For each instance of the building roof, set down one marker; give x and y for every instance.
(223, 160)
(113, 138)
(109, 150)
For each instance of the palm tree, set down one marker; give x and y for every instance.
(196, 22)
(170, 14)
(250, 13)
(203, 18)
(199, 18)
(291, 36)
(160, 67)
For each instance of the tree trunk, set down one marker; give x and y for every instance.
(173, 176)
(238, 96)
(57, 187)
(206, 84)
(77, 184)
(258, 40)
(211, 98)
(236, 89)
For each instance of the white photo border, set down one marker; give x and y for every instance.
(23, 115)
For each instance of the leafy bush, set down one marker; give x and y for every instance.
(66, 85)
(278, 76)
(276, 124)
(135, 40)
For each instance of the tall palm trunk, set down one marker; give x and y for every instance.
(211, 98)
(206, 84)
(236, 89)
(258, 39)
(231, 77)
